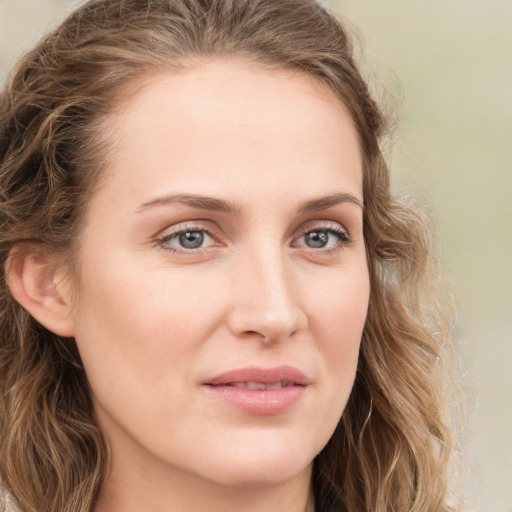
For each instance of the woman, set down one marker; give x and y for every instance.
(175, 335)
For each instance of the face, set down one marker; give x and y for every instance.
(223, 278)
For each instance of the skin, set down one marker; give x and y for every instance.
(153, 320)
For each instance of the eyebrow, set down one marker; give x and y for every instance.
(323, 203)
(221, 205)
(194, 201)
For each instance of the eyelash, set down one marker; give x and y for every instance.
(163, 241)
(342, 235)
(343, 238)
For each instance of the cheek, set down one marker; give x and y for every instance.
(341, 305)
(130, 297)
(138, 340)
(139, 323)
(337, 325)
(339, 322)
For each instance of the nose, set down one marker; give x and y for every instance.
(266, 302)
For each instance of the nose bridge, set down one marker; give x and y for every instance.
(267, 301)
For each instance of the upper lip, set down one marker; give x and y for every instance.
(283, 373)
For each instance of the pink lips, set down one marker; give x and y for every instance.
(259, 391)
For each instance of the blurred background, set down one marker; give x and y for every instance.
(449, 65)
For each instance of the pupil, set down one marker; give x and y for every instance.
(191, 239)
(317, 239)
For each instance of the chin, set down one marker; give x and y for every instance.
(263, 467)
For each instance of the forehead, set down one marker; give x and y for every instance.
(235, 121)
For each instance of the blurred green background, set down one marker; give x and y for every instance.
(449, 64)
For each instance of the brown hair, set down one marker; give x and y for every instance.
(391, 448)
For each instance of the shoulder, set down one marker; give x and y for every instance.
(7, 502)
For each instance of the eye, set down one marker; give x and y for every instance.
(186, 239)
(190, 239)
(323, 238)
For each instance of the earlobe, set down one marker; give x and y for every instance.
(37, 285)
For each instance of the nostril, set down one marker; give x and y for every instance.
(267, 338)
(251, 334)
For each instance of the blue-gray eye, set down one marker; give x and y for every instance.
(191, 239)
(323, 238)
(188, 239)
(317, 239)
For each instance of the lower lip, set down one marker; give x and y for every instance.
(262, 402)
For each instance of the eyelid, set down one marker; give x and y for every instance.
(165, 235)
(188, 225)
(321, 224)
(331, 226)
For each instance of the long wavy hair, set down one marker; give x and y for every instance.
(391, 448)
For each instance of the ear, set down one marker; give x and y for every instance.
(41, 287)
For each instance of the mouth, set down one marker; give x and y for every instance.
(254, 386)
(254, 377)
(259, 391)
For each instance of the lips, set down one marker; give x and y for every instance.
(260, 385)
(259, 391)
(287, 374)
